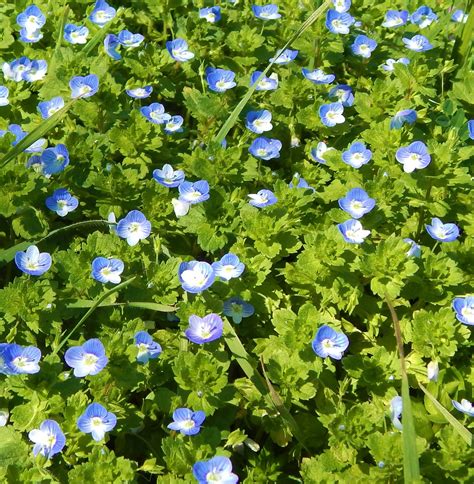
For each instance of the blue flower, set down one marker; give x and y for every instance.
(147, 348)
(343, 93)
(298, 182)
(155, 113)
(259, 121)
(265, 83)
(228, 267)
(31, 19)
(423, 17)
(102, 13)
(357, 203)
(470, 128)
(96, 420)
(432, 370)
(353, 232)
(338, 22)
(265, 148)
(48, 108)
(211, 14)
(36, 72)
(168, 177)
(178, 50)
(237, 309)
(173, 125)
(263, 198)
(195, 276)
(204, 330)
(318, 153)
(134, 227)
(465, 407)
(396, 408)
(107, 270)
(459, 16)
(405, 116)
(19, 360)
(331, 114)
(33, 262)
(87, 359)
(464, 307)
(442, 232)
(194, 192)
(49, 439)
(139, 92)
(418, 43)
(389, 65)
(357, 155)
(186, 421)
(317, 76)
(129, 40)
(111, 43)
(413, 157)
(363, 46)
(16, 69)
(329, 342)
(84, 86)
(54, 160)
(4, 96)
(62, 202)
(395, 18)
(75, 34)
(216, 470)
(30, 36)
(341, 6)
(414, 250)
(220, 80)
(266, 12)
(284, 57)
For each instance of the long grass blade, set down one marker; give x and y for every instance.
(96, 304)
(87, 303)
(232, 119)
(262, 384)
(8, 255)
(457, 426)
(36, 134)
(411, 466)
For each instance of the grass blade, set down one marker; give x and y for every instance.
(96, 304)
(263, 385)
(232, 119)
(46, 126)
(8, 255)
(87, 303)
(411, 466)
(458, 426)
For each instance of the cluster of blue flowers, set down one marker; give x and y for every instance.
(195, 276)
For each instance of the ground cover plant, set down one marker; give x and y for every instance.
(236, 241)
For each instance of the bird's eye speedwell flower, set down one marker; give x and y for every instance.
(363, 46)
(87, 359)
(147, 348)
(33, 262)
(465, 407)
(464, 307)
(408, 116)
(84, 86)
(285, 57)
(414, 250)
(389, 65)
(178, 50)
(155, 113)
(107, 270)
(343, 93)
(417, 43)
(211, 14)
(96, 420)
(62, 202)
(263, 198)
(236, 308)
(339, 22)
(442, 232)
(413, 157)
(204, 330)
(394, 18)
(265, 83)
(75, 34)
(194, 192)
(332, 114)
(423, 17)
(266, 12)
(329, 342)
(265, 148)
(186, 421)
(102, 13)
(357, 203)
(318, 153)
(259, 121)
(140, 92)
(318, 76)
(216, 470)
(220, 80)
(17, 360)
(353, 232)
(48, 108)
(357, 155)
(173, 125)
(168, 177)
(4, 96)
(228, 267)
(396, 407)
(49, 439)
(195, 276)
(134, 227)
